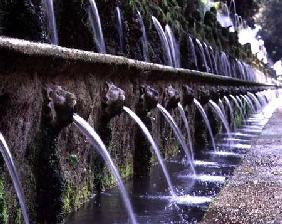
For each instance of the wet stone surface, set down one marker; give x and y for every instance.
(254, 193)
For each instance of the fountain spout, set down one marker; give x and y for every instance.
(111, 106)
(148, 101)
(204, 96)
(149, 98)
(188, 96)
(171, 98)
(215, 94)
(61, 107)
(113, 102)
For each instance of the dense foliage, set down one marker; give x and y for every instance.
(271, 22)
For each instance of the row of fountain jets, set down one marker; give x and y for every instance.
(203, 57)
(254, 102)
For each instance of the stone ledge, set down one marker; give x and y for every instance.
(39, 50)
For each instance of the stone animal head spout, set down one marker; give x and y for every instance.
(171, 98)
(188, 95)
(61, 106)
(149, 97)
(243, 91)
(215, 94)
(223, 91)
(204, 96)
(114, 100)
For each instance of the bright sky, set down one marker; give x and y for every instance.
(278, 67)
(249, 35)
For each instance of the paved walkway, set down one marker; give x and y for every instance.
(254, 194)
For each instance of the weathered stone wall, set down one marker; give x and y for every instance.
(25, 71)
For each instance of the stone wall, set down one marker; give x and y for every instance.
(65, 166)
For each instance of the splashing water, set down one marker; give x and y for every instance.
(187, 127)
(7, 156)
(98, 144)
(95, 22)
(154, 146)
(51, 22)
(221, 116)
(165, 45)
(205, 117)
(178, 134)
(144, 38)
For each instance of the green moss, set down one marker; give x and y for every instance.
(75, 196)
(238, 119)
(125, 173)
(18, 216)
(73, 160)
(171, 150)
(3, 206)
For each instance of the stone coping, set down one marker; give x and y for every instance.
(28, 48)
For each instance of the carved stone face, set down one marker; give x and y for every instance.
(114, 100)
(149, 97)
(215, 94)
(204, 96)
(61, 105)
(171, 98)
(188, 95)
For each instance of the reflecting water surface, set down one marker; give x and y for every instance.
(151, 198)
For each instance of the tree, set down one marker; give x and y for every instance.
(271, 21)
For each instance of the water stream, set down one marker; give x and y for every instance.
(257, 103)
(242, 106)
(95, 22)
(237, 105)
(202, 55)
(187, 127)
(221, 106)
(206, 120)
(164, 41)
(192, 51)
(179, 136)
(7, 156)
(249, 103)
(221, 116)
(144, 38)
(174, 47)
(230, 108)
(52, 25)
(98, 144)
(119, 27)
(194, 194)
(154, 147)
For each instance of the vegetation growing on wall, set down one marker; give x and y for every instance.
(3, 207)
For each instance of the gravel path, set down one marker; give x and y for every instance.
(254, 193)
